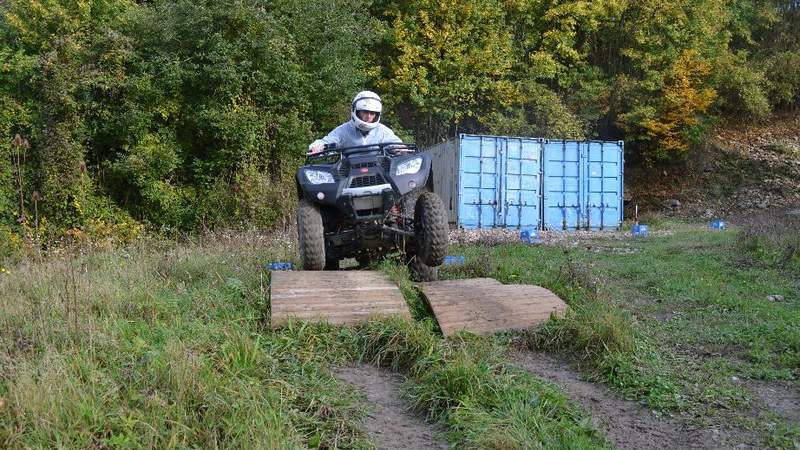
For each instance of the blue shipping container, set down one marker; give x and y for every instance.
(517, 182)
(582, 184)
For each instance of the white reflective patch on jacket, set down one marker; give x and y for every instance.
(347, 135)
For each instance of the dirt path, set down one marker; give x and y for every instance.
(626, 424)
(389, 423)
(777, 397)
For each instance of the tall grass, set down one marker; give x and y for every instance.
(169, 345)
(601, 337)
(161, 348)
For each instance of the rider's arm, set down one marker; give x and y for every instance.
(389, 136)
(334, 137)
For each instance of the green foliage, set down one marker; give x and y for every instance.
(147, 169)
(11, 246)
(784, 79)
(668, 126)
(449, 64)
(542, 114)
(233, 90)
(742, 89)
(169, 107)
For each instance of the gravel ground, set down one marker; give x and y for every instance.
(498, 236)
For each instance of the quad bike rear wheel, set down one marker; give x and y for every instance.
(421, 271)
(311, 237)
(430, 229)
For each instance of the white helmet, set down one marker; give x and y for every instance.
(366, 101)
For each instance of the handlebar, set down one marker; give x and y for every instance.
(387, 149)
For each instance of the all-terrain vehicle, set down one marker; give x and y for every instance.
(366, 201)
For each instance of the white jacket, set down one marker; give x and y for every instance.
(347, 135)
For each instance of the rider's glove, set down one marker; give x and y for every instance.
(315, 147)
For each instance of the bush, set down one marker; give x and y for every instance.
(783, 72)
(541, 114)
(162, 108)
(742, 89)
(668, 129)
(11, 245)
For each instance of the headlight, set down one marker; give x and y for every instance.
(318, 177)
(409, 167)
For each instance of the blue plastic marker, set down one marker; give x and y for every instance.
(279, 266)
(451, 260)
(717, 225)
(529, 236)
(640, 230)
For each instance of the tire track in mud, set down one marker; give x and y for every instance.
(390, 425)
(627, 424)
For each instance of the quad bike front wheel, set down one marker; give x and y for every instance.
(310, 235)
(430, 229)
(421, 271)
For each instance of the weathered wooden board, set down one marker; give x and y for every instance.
(337, 297)
(484, 305)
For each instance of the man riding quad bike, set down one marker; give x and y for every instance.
(363, 194)
(369, 200)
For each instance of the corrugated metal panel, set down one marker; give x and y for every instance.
(562, 185)
(479, 185)
(444, 160)
(582, 184)
(521, 188)
(501, 181)
(604, 184)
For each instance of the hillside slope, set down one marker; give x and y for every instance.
(742, 168)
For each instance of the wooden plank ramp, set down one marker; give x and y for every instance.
(337, 297)
(484, 305)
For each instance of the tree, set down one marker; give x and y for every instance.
(447, 64)
(667, 127)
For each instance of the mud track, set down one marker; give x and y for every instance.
(389, 423)
(626, 424)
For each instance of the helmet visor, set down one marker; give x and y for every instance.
(368, 116)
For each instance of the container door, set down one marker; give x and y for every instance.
(479, 184)
(521, 180)
(603, 186)
(562, 185)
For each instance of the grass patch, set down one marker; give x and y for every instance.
(672, 321)
(466, 383)
(160, 349)
(169, 347)
(401, 276)
(784, 436)
(596, 331)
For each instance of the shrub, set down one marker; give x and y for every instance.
(783, 72)
(667, 129)
(11, 244)
(742, 89)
